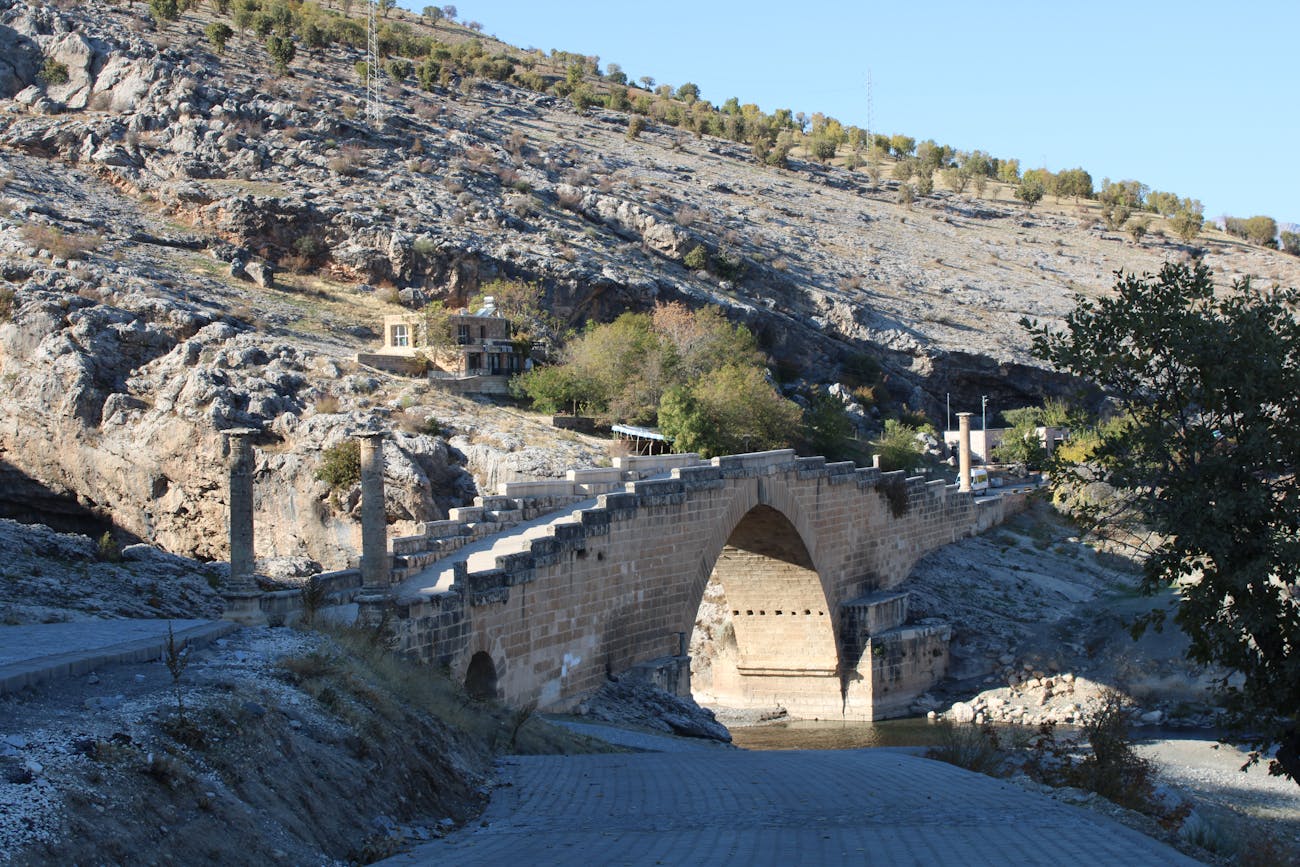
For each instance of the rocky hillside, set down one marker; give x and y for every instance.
(191, 241)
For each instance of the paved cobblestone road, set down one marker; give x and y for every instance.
(776, 808)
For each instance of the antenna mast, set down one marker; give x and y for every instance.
(372, 67)
(868, 104)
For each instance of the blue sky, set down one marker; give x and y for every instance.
(1193, 97)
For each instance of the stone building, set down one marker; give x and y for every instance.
(983, 443)
(478, 355)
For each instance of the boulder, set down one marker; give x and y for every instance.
(261, 273)
(20, 60)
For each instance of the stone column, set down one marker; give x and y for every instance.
(374, 524)
(376, 588)
(963, 446)
(243, 599)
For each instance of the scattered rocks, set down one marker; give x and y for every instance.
(628, 703)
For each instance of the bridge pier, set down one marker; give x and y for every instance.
(241, 594)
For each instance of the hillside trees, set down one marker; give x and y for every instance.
(698, 376)
(1208, 387)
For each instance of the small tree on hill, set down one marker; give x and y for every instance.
(1291, 243)
(218, 33)
(1262, 231)
(282, 51)
(1030, 191)
(1187, 223)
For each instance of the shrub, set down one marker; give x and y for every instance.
(1291, 243)
(974, 748)
(6, 303)
(1030, 191)
(59, 243)
(399, 69)
(350, 161)
(164, 10)
(697, 259)
(1113, 770)
(282, 51)
(218, 33)
(52, 73)
(898, 447)
(635, 126)
(340, 465)
(924, 182)
(107, 548)
(1137, 229)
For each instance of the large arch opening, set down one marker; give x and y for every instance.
(764, 635)
(481, 677)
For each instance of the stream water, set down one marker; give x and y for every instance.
(910, 732)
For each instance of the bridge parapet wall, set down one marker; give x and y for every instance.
(613, 585)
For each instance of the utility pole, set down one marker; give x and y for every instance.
(948, 422)
(372, 67)
(984, 427)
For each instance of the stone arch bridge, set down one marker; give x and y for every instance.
(807, 553)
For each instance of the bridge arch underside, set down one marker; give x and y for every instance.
(765, 635)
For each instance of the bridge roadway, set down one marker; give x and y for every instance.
(876, 806)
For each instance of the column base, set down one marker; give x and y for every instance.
(372, 606)
(244, 607)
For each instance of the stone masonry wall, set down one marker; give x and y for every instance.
(615, 586)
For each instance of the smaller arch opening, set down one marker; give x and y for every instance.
(481, 678)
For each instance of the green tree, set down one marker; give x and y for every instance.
(164, 10)
(1021, 444)
(697, 258)
(433, 13)
(902, 145)
(1262, 231)
(1291, 243)
(282, 51)
(1187, 222)
(1209, 387)
(822, 148)
(898, 447)
(552, 389)
(688, 92)
(1075, 183)
(1009, 171)
(1030, 191)
(730, 410)
(826, 427)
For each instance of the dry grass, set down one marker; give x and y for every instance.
(363, 680)
(62, 245)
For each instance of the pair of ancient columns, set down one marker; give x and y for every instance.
(241, 592)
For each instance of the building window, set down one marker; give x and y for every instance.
(462, 334)
(401, 337)
(482, 332)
